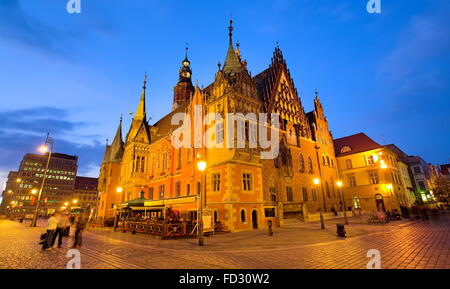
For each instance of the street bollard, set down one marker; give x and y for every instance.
(270, 231)
(340, 230)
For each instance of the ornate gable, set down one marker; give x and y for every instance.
(277, 91)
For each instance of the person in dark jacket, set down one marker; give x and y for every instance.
(80, 225)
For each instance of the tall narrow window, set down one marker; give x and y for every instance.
(142, 164)
(302, 164)
(188, 189)
(243, 216)
(314, 195)
(253, 135)
(352, 181)
(219, 132)
(289, 194)
(150, 193)
(310, 165)
(179, 159)
(162, 189)
(305, 194)
(216, 182)
(247, 181)
(374, 180)
(199, 188)
(369, 160)
(348, 164)
(177, 189)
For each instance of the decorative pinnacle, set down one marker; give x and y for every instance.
(230, 28)
(145, 81)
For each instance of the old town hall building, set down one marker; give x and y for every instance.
(243, 190)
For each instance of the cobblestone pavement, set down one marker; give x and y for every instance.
(404, 244)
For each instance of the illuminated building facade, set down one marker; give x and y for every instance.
(242, 189)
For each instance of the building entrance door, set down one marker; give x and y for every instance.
(380, 204)
(255, 219)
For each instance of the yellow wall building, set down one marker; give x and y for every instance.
(374, 179)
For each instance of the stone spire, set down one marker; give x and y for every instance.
(141, 113)
(117, 145)
(232, 63)
(139, 129)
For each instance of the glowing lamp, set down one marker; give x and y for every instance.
(316, 181)
(201, 166)
(43, 149)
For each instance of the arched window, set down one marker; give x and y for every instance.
(356, 203)
(216, 217)
(328, 161)
(310, 165)
(199, 188)
(327, 188)
(302, 164)
(243, 220)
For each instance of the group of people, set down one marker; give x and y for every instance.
(58, 226)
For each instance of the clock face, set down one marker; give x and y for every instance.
(187, 74)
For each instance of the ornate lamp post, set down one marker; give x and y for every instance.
(322, 223)
(116, 217)
(340, 184)
(201, 165)
(46, 148)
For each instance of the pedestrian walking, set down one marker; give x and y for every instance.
(80, 225)
(67, 225)
(51, 228)
(60, 227)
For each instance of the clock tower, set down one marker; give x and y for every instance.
(184, 88)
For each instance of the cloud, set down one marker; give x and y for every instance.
(21, 131)
(425, 40)
(19, 26)
(38, 120)
(60, 38)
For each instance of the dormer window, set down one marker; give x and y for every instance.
(346, 149)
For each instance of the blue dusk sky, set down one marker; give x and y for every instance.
(73, 75)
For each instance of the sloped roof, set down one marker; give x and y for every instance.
(357, 143)
(164, 125)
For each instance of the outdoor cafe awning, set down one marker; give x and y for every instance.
(145, 204)
(171, 201)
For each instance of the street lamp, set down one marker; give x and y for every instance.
(201, 165)
(119, 189)
(46, 148)
(34, 191)
(390, 187)
(340, 185)
(75, 201)
(322, 223)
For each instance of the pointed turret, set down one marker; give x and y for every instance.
(141, 113)
(139, 130)
(232, 63)
(318, 106)
(184, 88)
(117, 145)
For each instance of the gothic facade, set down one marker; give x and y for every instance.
(242, 189)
